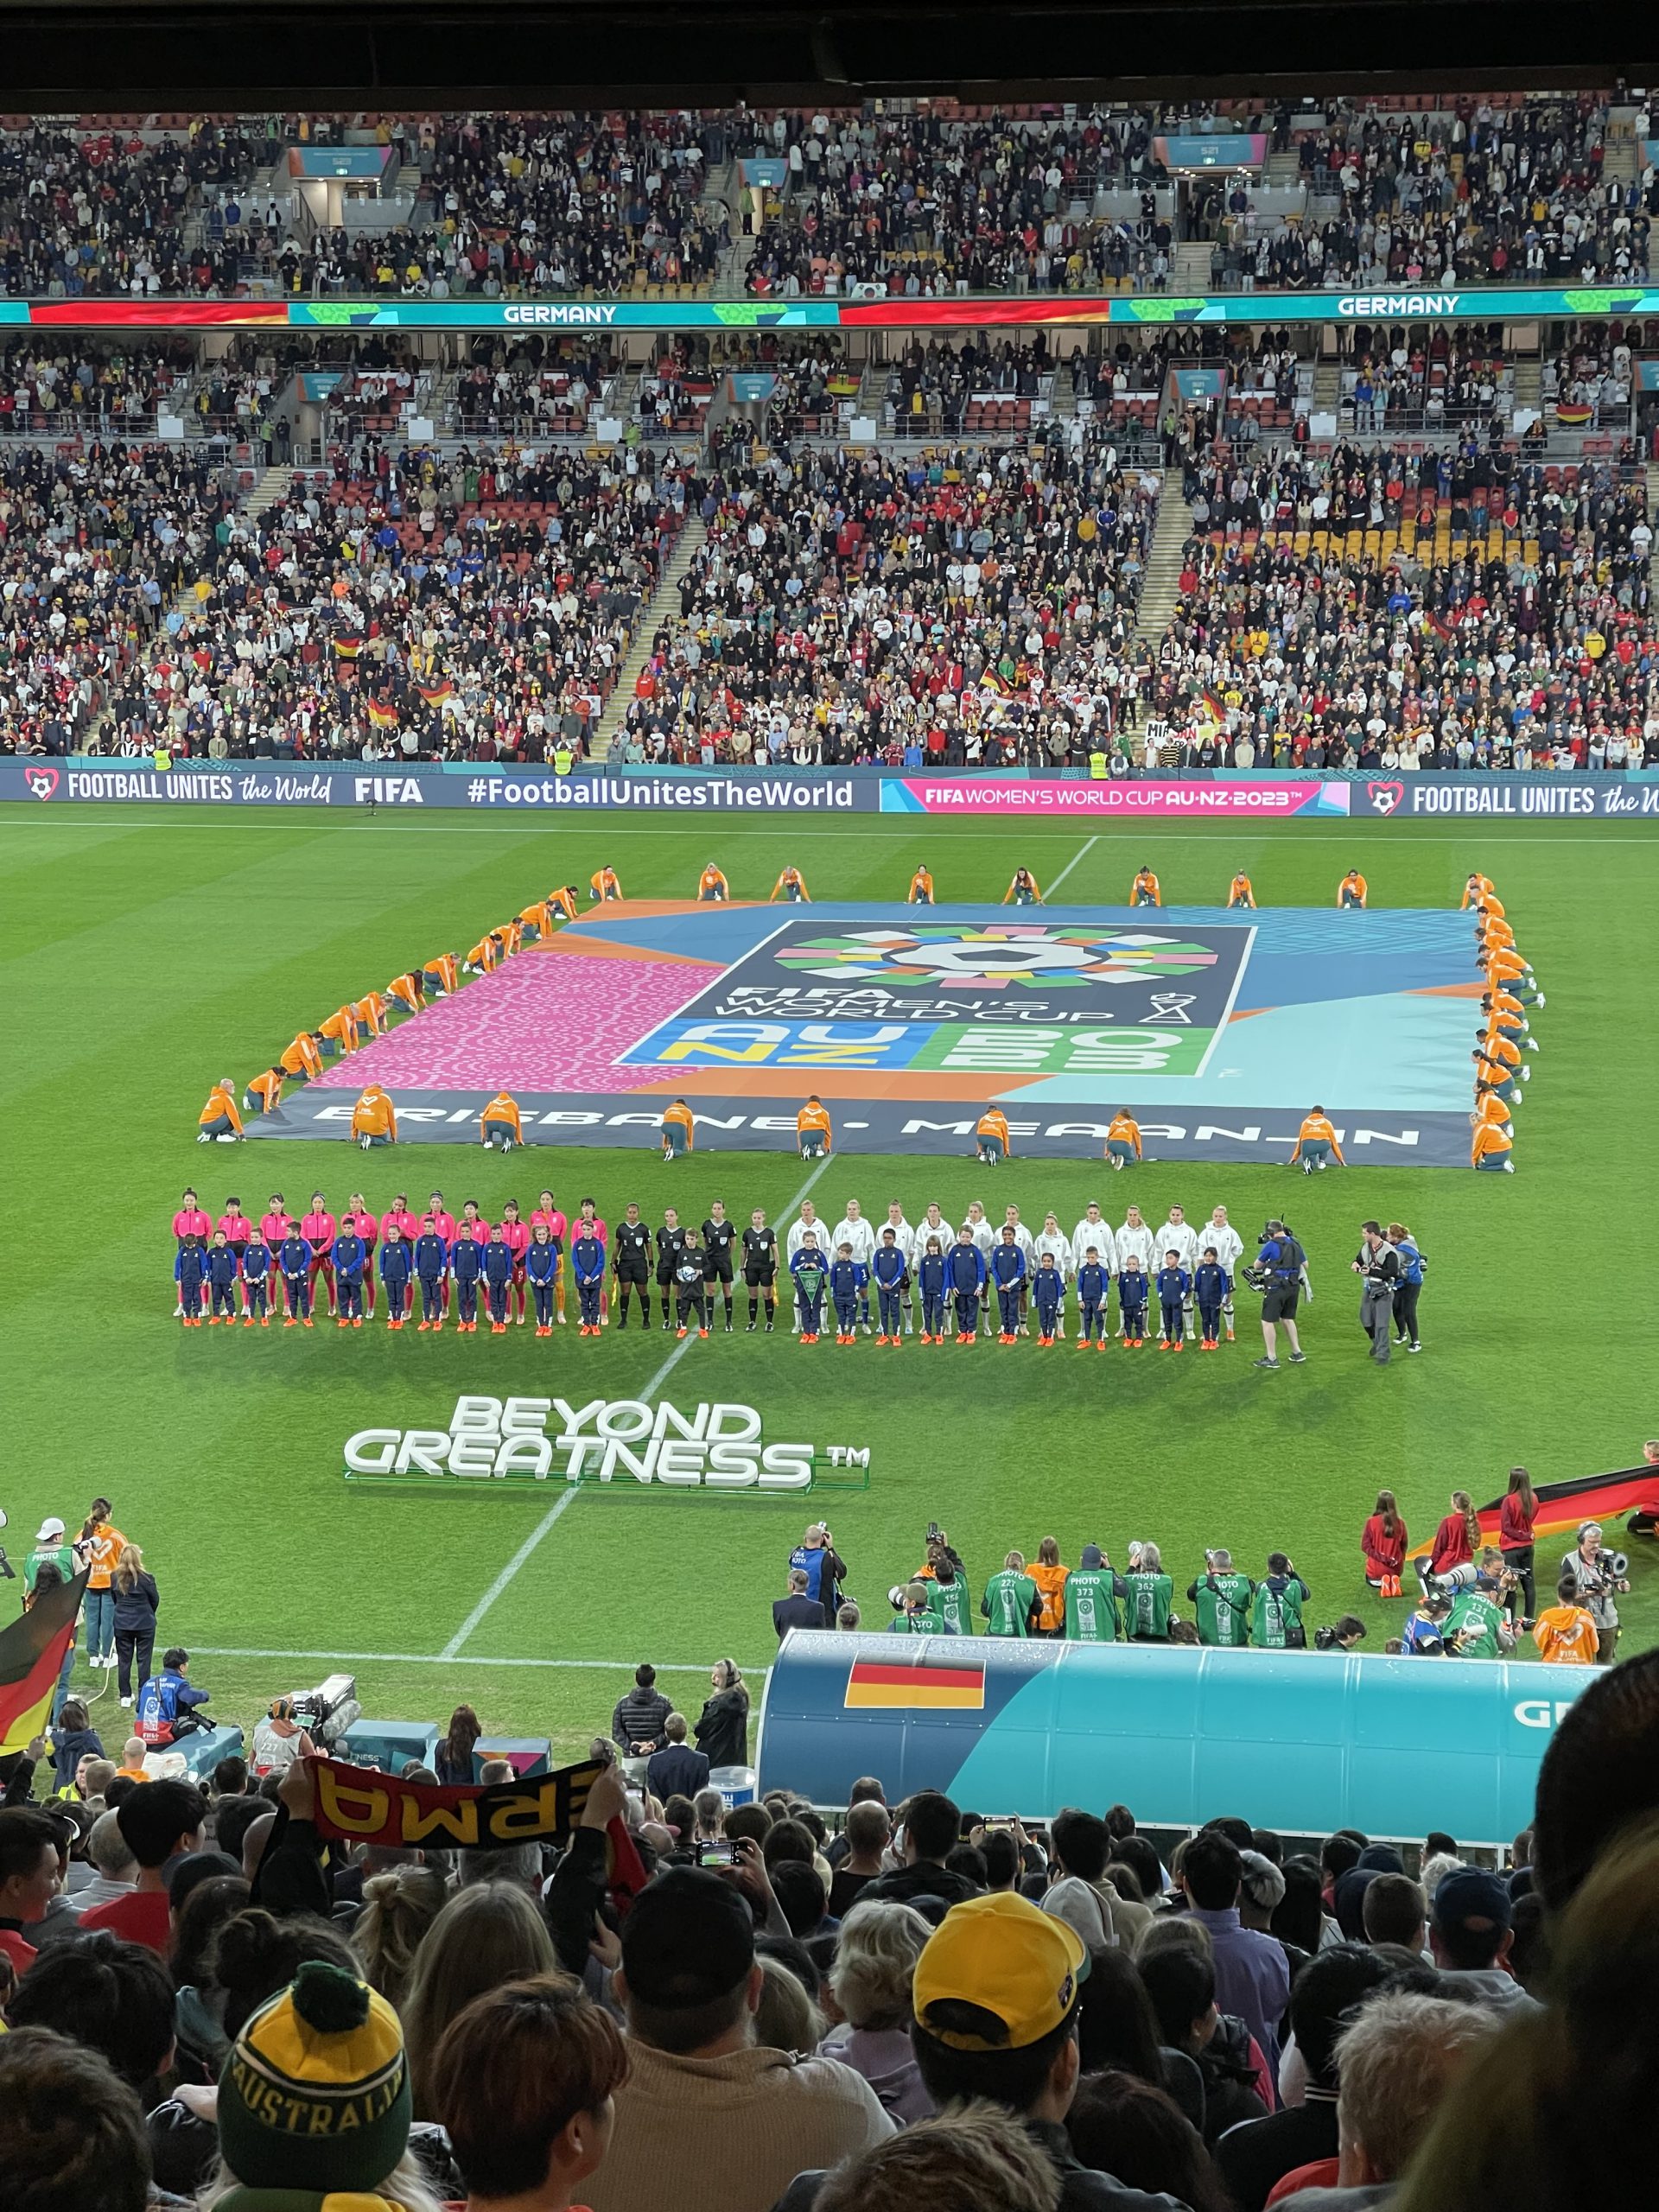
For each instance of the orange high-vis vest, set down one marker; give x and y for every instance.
(1146, 882)
(790, 879)
(564, 900)
(1317, 1128)
(993, 1122)
(341, 1025)
(536, 916)
(1489, 1106)
(921, 885)
(1356, 883)
(1475, 894)
(371, 1013)
(1242, 889)
(220, 1101)
(1051, 1587)
(604, 883)
(503, 1108)
(446, 970)
(1496, 1046)
(374, 1116)
(712, 879)
(813, 1121)
(484, 955)
(303, 1057)
(406, 991)
(267, 1089)
(682, 1115)
(1489, 1141)
(510, 938)
(1125, 1129)
(1030, 883)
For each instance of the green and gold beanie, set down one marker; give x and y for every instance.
(315, 2093)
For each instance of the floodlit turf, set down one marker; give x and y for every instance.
(145, 956)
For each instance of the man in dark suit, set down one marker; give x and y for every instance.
(798, 1610)
(676, 1769)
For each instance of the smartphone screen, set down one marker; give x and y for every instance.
(717, 1854)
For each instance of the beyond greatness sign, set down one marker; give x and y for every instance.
(1266, 795)
(355, 1804)
(717, 1447)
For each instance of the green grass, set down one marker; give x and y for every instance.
(145, 956)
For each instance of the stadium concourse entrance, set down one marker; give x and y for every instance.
(1217, 1030)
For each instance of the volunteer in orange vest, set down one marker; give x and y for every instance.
(1144, 890)
(1491, 1146)
(1123, 1140)
(1316, 1143)
(991, 1137)
(372, 1011)
(338, 1032)
(1477, 888)
(443, 975)
(603, 885)
(374, 1119)
(921, 889)
(563, 901)
(408, 990)
(302, 1061)
(813, 1137)
(483, 958)
(1023, 890)
(218, 1117)
(679, 1131)
(265, 1093)
(1239, 891)
(712, 887)
(1352, 891)
(791, 887)
(97, 1548)
(499, 1125)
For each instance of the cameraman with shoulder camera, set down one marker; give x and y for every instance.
(1377, 1265)
(1602, 1577)
(1277, 1274)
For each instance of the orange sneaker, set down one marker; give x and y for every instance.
(702, 1332)
(247, 1320)
(357, 1321)
(292, 1322)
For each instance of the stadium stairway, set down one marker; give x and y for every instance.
(1190, 271)
(1651, 473)
(1162, 585)
(663, 605)
(1283, 169)
(1327, 384)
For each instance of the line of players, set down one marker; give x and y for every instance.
(994, 1278)
(1505, 1032)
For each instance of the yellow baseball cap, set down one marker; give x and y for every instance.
(1002, 1954)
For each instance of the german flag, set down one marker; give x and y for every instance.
(1573, 414)
(435, 693)
(1563, 1507)
(31, 1653)
(383, 717)
(348, 648)
(875, 1685)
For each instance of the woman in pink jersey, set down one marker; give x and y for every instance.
(515, 1235)
(357, 1218)
(550, 1217)
(318, 1228)
(188, 1221)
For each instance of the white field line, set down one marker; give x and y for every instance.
(545, 1527)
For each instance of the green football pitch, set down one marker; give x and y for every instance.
(145, 954)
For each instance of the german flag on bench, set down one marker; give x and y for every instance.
(917, 1686)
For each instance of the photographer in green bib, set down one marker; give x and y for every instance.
(1222, 1597)
(949, 1594)
(1012, 1602)
(1093, 1592)
(1478, 1626)
(1150, 1596)
(1277, 1623)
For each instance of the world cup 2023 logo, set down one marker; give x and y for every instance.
(999, 956)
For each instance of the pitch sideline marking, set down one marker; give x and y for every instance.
(1055, 881)
(445, 1659)
(545, 1527)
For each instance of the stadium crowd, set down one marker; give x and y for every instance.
(788, 2005)
(472, 605)
(967, 600)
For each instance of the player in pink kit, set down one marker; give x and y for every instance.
(549, 1217)
(318, 1230)
(439, 1217)
(357, 1218)
(515, 1235)
(190, 1221)
(238, 1230)
(274, 1225)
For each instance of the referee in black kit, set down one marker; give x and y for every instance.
(1377, 1265)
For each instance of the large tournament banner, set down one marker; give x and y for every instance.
(1261, 795)
(1218, 1029)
